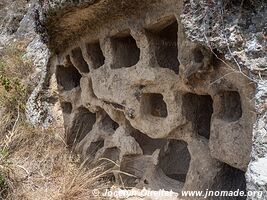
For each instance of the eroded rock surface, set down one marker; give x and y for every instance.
(173, 91)
(135, 90)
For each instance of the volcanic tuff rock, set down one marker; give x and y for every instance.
(173, 91)
(136, 90)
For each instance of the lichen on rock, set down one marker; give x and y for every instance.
(235, 28)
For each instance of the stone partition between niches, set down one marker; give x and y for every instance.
(139, 93)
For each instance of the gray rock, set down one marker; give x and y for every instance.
(175, 93)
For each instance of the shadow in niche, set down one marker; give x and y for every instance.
(108, 123)
(111, 154)
(67, 77)
(165, 36)
(66, 107)
(231, 109)
(94, 147)
(95, 54)
(198, 55)
(82, 124)
(198, 109)
(154, 105)
(174, 159)
(229, 179)
(147, 144)
(126, 51)
(78, 60)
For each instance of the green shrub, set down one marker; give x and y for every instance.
(14, 71)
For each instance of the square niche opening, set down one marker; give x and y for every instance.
(231, 107)
(175, 160)
(95, 54)
(165, 34)
(82, 124)
(198, 109)
(174, 157)
(172, 166)
(68, 77)
(229, 179)
(153, 104)
(125, 51)
(78, 60)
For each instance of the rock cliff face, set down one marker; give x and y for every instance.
(238, 30)
(173, 91)
(135, 90)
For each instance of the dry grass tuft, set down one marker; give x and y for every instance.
(35, 163)
(15, 71)
(80, 185)
(38, 165)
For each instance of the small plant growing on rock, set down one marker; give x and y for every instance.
(14, 72)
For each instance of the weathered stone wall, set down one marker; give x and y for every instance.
(238, 30)
(135, 90)
(173, 91)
